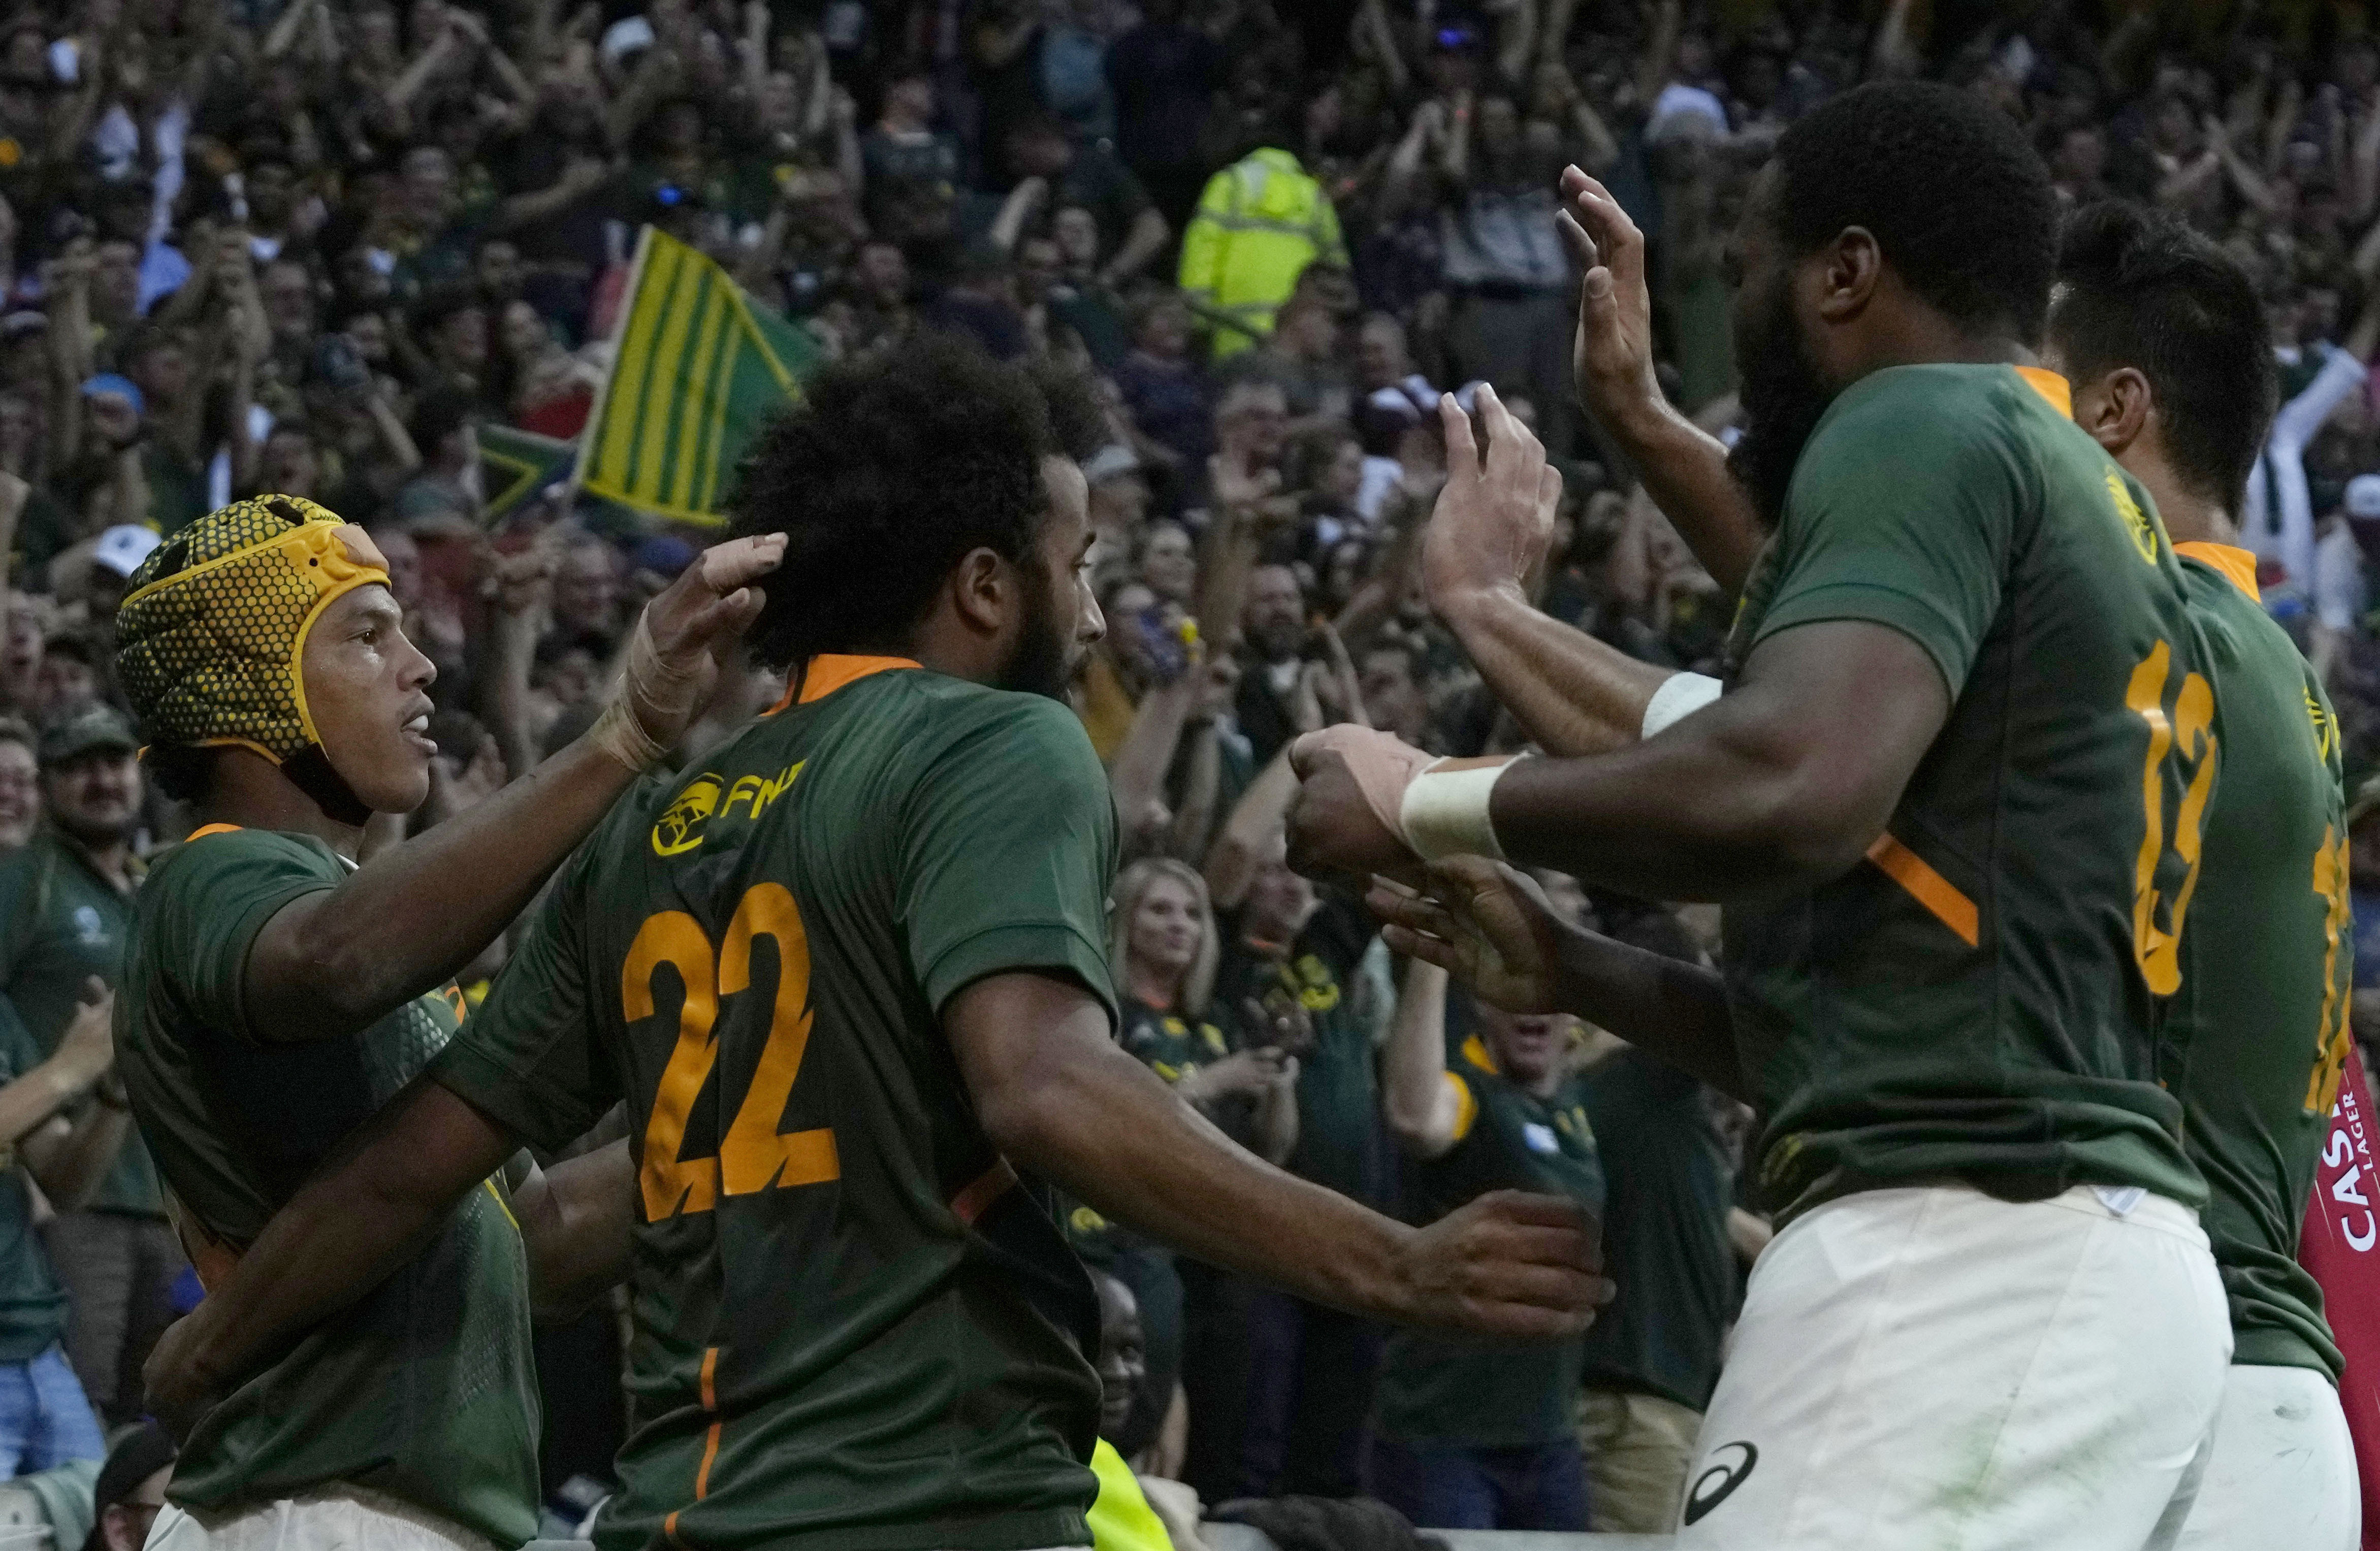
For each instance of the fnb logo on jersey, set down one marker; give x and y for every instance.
(686, 823)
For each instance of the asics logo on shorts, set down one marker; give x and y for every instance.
(1711, 1488)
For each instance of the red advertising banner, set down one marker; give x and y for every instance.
(2341, 1247)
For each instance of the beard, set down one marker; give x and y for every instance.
(1783, 395)
(1045, 661)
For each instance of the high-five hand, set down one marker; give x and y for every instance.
(1486, 924)
(1495, 515)
(1612, 353)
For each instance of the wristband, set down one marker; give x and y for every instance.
(1444, 812)
(617, 732)
(1681, 695)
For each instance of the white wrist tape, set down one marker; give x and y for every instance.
(1445, 809)
(1681, 695)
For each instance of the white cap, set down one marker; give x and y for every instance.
(124, 547)
(627, 36)
(2364, 496)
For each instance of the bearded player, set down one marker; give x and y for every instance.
(848, 978)
(275, 993)
(1952, 804)
(2163, 339)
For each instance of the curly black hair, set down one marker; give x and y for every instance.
(2139, 288)
(1954, 195)
(890, 471)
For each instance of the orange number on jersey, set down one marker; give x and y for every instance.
(753, 1155)
(2333, 1041)
(755, 1152)
(2188, 735)
(675, 939)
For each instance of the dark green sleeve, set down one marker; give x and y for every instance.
(1903, 515)
(527, 1056)
(207, 902)
(1008, 845)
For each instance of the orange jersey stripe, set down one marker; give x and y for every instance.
(987, 1188)
(1928, 888)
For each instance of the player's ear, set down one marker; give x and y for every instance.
(983, 590)
(2115, 410)
(1853, 269)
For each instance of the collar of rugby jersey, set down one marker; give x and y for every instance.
(2049, 385)
(2238, 566)
(829, 672)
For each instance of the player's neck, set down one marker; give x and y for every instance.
(2189, 518)
(1916, 333)
(251, 792)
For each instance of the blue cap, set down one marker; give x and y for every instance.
(112, 382)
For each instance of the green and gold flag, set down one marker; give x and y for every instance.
(699, 368)
(516, 466)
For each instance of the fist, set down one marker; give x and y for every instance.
(1352, 785)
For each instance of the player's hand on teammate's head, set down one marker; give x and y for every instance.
(1352, 787)
(1494, 519)
(1612, 351)
(1511, 1264)
(681, 641)
(1485, 923)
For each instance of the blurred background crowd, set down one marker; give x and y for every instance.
(321, 246)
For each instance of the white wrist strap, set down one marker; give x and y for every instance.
(1445, 809)
(1681, 695)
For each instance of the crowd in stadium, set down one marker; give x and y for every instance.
(315, 246)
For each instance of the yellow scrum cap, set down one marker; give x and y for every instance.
(212, 633)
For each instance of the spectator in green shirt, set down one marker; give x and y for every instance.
(65, 906)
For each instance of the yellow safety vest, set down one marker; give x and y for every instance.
(1260, 221)
(1121, 1519)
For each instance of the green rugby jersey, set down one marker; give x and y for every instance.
(849, 1331)
(1338, 1128)
(1977, 1000)
(425, 1388)
(2253, 1041)
(61, 920)
(1471, 1390)
(33, 1304)
(1669, 1182)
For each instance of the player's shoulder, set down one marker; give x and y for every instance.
(213, 857)
(959, 720)
(2218, 590)
(1945, 427)
(1931, 406)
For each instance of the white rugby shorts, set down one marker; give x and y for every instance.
(1935, 1367)
(2283, 1471)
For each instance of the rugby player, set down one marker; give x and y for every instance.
(849, 976)
(275, 994)
(1967, 654)
(2164, 338)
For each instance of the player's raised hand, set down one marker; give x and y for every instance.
(681, 638)
(1612, 353)
(1486, 924)
(1510, 1263)
(1352, 787)
(1494, 519)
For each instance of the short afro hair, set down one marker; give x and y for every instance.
(2139, 288)
(1954, 195)
(891, 470)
